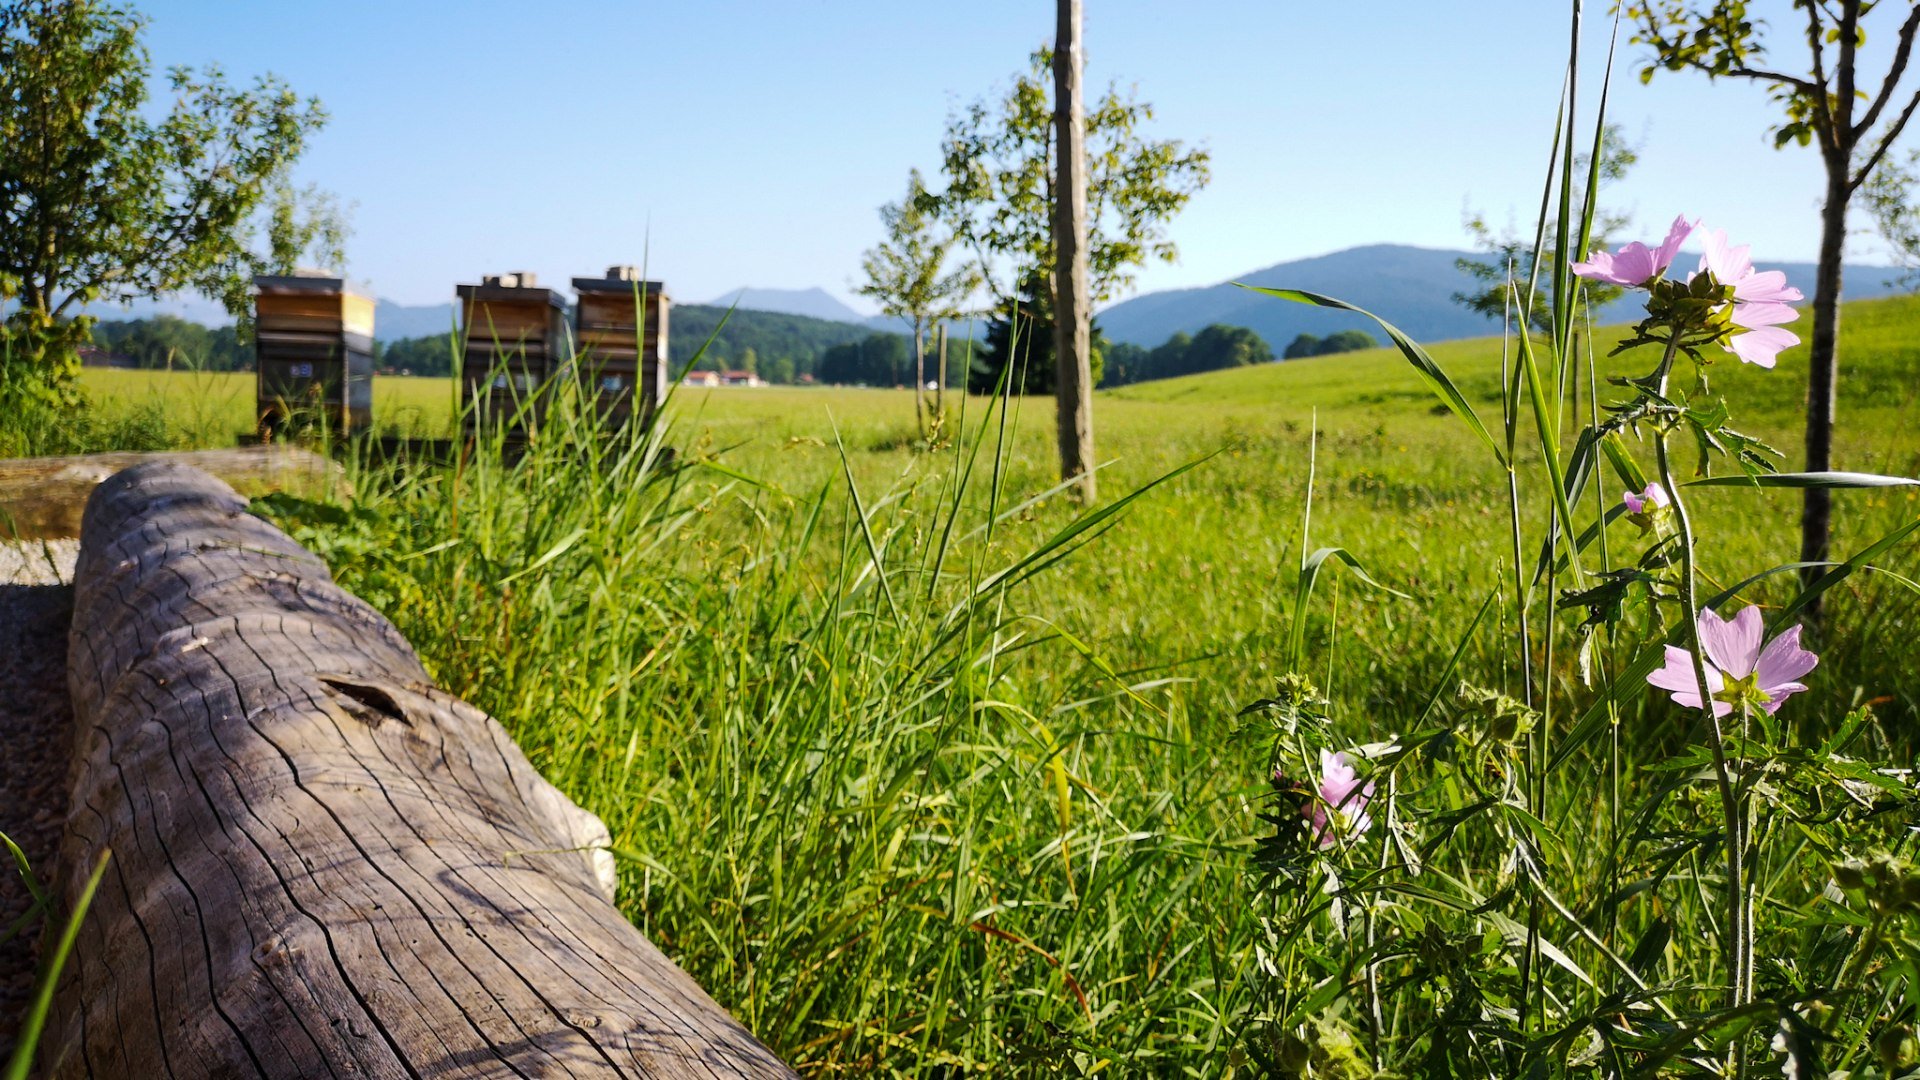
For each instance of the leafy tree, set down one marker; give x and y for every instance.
(1833, 105)
(1508, 253)
(999, 197)
(749, 361)
(1216, 347)
(780, 370)
(874, 360)
(100, 200)
(1895, 216)
(167, 341)
(1000, 170)
(1302, 346)
(906, 275)
(770, 334)
(1125, 363)
(1169, 358)
(434, 354)
(1020, 333)
(1220, 346)
(1345, 341)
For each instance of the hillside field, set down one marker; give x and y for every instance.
(896, 817)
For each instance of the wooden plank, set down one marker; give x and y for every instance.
(321, 863)
(44, 498)
(506, 323)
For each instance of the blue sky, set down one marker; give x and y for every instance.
(756, 140)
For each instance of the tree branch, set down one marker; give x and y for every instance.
(1901, 54)
(1886, 143)
(1805, 86)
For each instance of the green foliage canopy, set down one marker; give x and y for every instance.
(101, 201)
(773, 336)
(1020, 333)
(998, 163)
(166, 341)
(1214, 348)
(906, 272)
(874, 360)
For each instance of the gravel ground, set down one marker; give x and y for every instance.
(35, 607)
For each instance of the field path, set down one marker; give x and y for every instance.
(36, 603)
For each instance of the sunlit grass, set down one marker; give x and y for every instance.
(898, 816)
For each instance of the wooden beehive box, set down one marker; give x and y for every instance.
(313, 337)
(513, 333)
(620, 334)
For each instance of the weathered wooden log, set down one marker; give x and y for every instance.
(321, 864)
(42, 498)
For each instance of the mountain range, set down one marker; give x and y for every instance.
(1411, 287)
(815, 303)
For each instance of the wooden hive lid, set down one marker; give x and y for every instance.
(622, 281)
(521, 287)
(319, 302)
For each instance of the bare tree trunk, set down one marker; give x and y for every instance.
(920, 380)
(1072, 336)
(1823, 377)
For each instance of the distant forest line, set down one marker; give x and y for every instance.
(779, 348)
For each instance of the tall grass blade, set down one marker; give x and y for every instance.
(1430, 371)
(36, 1018)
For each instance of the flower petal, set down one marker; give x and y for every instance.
(1598, 267)
(1733, 645)
(1760, 313)
(1783, 661)
(1762, 347)
(1766, 286)
(1778, 696)
(1677, 677)
(1677, 234)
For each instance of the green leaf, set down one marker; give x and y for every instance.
(36, 1018)
(1830, 480)
(1303, 592)
(1841, 572)
(553, 553)
(1430, 371)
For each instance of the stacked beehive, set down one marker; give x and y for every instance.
(313, 337)
(514, 333)
(620, 330)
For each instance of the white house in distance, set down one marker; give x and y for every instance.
(724, 378)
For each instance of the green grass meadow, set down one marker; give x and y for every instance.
(923, 771)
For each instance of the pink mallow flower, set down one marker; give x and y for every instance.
(1636, 264)
(1338, 809)
(1760, 301)
(1642, 502)
(1738, 668)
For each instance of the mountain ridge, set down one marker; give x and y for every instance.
(814, 303)
(1409, 286)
